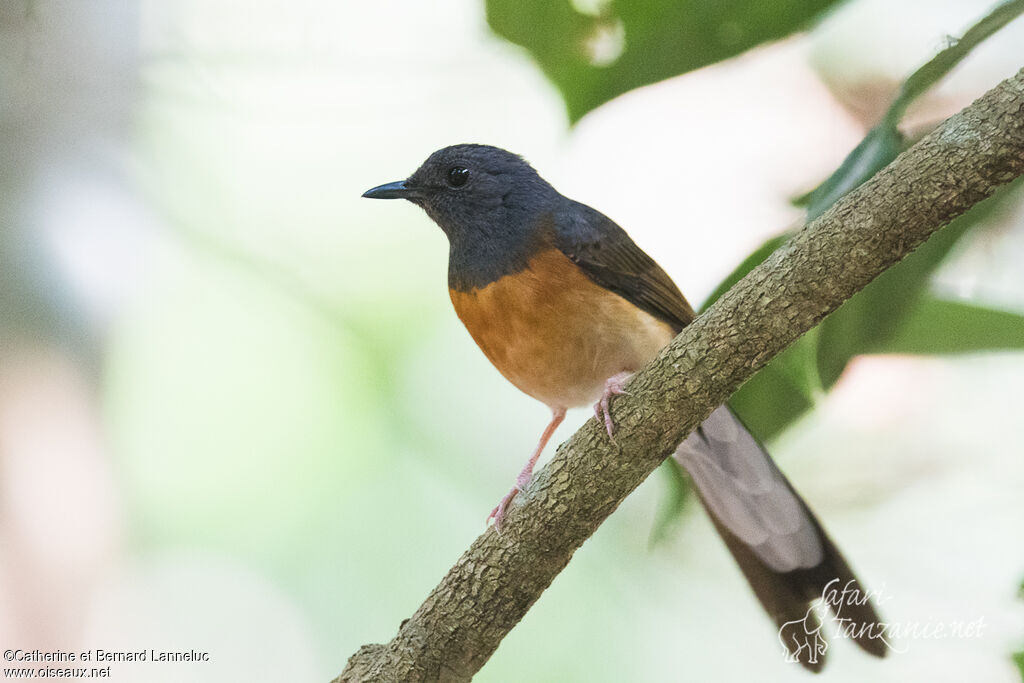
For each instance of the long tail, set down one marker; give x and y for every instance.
(784, 552)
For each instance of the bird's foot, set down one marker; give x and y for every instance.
(498, 513)
(612, 387)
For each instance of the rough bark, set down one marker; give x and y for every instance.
(495, 582)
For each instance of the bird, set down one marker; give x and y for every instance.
(567, 307)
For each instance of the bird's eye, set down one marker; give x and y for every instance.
(457, 176)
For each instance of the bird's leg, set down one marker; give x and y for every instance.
(498, 513)
(612, 387)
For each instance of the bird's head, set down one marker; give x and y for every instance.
(474, 191)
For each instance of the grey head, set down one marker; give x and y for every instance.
(489, 202)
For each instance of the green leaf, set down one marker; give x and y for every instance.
(938, 326)
(893, 314)
(883, 143)
(867, 322)
(779, 393)
(883, 318)
(594, 57)
(879, 147)
(944, 62)
(672, 506)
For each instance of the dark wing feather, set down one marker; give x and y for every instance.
(607, 255)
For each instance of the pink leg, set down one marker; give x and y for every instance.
(612, 387)
(498, 513)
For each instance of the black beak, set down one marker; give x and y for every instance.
(398, 190)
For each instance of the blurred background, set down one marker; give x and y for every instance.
(238, 415)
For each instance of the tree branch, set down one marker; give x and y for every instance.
(494, 583)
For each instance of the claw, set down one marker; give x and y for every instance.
(602, 409)
(498, 513)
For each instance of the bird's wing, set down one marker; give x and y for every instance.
(607, 255)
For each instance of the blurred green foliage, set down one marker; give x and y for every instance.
(595, 56)
(650, 40)
(895, 313)
(881, 145)
(867, 322)
(884, 142)
(1018, 656)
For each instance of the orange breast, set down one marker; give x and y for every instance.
(555, 334)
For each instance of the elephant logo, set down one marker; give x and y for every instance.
(803, 636)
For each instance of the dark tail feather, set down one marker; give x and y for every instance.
(788, 559)
(788, 596)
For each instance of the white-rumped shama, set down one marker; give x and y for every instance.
(566, 306)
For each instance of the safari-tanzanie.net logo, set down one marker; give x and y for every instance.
(802, 639)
